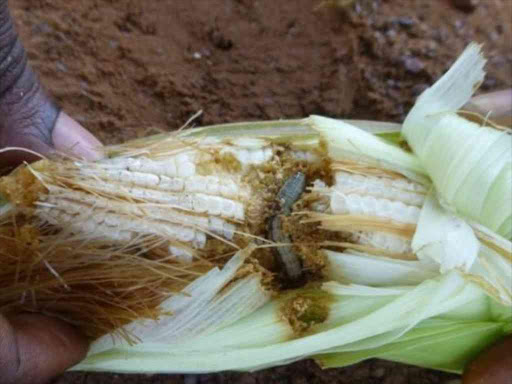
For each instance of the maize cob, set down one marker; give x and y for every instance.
(370, 196)
(195, 199)
(169, 197)
(176, 239)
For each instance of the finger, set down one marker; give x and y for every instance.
(35, 348)
(26, 113)
(71, 138)
(493, 366)
(28, 117)
(67, 137)
(498, 105)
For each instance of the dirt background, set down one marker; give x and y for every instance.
(126, 68)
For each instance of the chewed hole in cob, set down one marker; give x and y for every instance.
(103, 243)
(250, 245)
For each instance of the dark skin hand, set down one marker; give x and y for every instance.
(35, 348)
(28, 117)
(493, 366)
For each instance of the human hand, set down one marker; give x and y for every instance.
(28, 117)
(494, 365)
(34, 348)
(498, 105)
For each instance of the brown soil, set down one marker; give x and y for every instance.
(125, 68)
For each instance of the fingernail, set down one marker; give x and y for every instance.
(498, 104)
(71, 138)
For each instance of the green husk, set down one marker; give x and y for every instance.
(442, 322)
(417, 312)
(355, 322)
(469, 164)
(440, 344)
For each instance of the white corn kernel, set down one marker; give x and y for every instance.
(212, 185)
(228, 230)
(200, 204)
(124, 176)
(185, 164)
(256, 157)
(370, 206)
(111, 223)
(91, 214)
(195, 184)
(407, 192)
(228, 188)
(165, 167)
(214, 205)
(221, 227)
(249, 156)
(215, 224)
(399, 200)
(186, 169)
(171, 184)
(306, 156)
(243, 156)
(181, 254)
(168, 196)
(141, 164)
(199, 240)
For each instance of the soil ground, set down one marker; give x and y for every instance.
(127, 68)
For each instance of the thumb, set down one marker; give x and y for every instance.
(28, 117)
(498, 105)
(71, 138)
(67, 137)
(34, 348)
